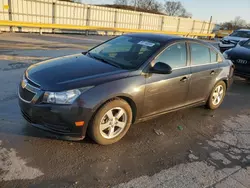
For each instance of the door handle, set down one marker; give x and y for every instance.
(184, 79)
(212, 72)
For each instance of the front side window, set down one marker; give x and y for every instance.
(247, 44)
(127, 52)
(175, 56)
(200, 54)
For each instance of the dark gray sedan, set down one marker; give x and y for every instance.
(125, 80)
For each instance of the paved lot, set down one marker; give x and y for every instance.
(212, 150)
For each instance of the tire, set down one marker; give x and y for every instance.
(212, 103)
(103, 118)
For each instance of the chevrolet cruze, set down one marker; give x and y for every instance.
(125, 80)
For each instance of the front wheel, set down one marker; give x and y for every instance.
(217, 95)
(111, 122)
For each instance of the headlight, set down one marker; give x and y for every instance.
(65, 97)
(225, 54)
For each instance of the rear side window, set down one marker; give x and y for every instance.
(200, 54)
(220, 59)
(175, 55)
(214, 56)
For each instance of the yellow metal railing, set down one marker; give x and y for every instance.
(96, 28)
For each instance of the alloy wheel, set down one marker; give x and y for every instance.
(217, 95)
(113, 122)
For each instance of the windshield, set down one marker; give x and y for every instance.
(242, 34)
(125, 51)
(247, 44)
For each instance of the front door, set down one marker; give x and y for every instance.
(164, 92)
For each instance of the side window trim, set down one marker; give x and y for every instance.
(219, 57)
(210, 55)
(187, 54)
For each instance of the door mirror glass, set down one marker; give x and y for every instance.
(161, 68)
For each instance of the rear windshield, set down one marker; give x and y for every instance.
(242, 34)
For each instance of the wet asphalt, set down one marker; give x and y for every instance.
(32, 158)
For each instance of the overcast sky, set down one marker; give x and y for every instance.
(221, 10)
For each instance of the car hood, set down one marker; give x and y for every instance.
(73, 71)
(239, 53)
(231, 38)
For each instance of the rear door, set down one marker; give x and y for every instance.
(204, 70)
(168, 91)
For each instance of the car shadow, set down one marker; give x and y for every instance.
(29, 130)
(217, 138)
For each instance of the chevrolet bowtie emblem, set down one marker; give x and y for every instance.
(24, 83)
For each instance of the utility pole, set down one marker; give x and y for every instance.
(209, 26)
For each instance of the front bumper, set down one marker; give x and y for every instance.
(56, 119)
(242, 74)
(223, 47)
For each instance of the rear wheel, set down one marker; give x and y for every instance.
(111, 122)
(217, 95)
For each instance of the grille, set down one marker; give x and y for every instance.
(62, 129)
(26, 94)
(32, 83)
(241, 62)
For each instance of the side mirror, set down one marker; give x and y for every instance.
(161, 68)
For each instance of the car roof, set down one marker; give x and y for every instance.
(163, 38)
(154, 37)
(243, 30)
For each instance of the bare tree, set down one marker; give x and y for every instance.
(237, 23)
(147, 4)
(185, 14)
(175, 8)
(157, 7)
(121, 2)
(72, 1)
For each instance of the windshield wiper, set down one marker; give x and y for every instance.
(103, 60)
